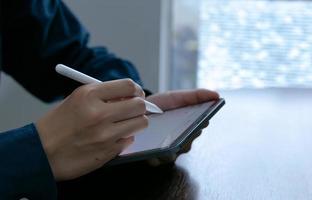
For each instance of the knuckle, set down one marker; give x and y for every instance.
(78, 98)
(91, 91)
(128, 81)
(101, 116)
(131, 86)
(140, 104)
(97, 116)
(94, 116)
(77, 93)
(86, 90)
(141, 93)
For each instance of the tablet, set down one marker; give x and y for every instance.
(168, 132)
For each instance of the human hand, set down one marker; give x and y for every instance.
(176, 99)
(91, 126)
(180, 98)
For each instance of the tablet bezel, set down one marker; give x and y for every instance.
(176, 146)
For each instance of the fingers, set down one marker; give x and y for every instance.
(181, 98)
(187, 147)
(124, 143)
(117, 89)
(191, 97)
(117, 148)
(206, 95)
(119, 130)
(120, 145)
(171, 158)
(126, 128)
(162, 160)
(204, 124)
(127, 109)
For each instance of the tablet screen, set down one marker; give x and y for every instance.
(165, 128)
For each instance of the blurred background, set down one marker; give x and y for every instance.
(178, 44)
(242, 44)
(256, 53)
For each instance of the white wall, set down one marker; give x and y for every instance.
(129, 28)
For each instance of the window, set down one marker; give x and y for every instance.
(230, 44)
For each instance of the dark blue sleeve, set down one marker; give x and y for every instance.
(38, 34)
(24, 168)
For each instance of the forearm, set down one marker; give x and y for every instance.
(37, 35)
(24, 168)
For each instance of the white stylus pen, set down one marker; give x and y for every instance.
(85, 79)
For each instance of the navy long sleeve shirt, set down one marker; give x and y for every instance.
(37, 35)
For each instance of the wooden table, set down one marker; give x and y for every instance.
(258, 147)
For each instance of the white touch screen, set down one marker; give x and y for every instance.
(165, 128)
